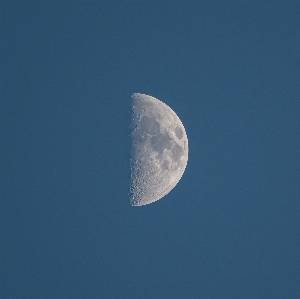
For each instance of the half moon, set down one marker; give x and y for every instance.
(159, 151)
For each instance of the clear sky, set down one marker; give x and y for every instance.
(229, 229)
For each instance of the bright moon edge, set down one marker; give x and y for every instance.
(145, 188)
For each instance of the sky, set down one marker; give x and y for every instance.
(229, 229)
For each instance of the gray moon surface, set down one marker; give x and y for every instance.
(159, 151)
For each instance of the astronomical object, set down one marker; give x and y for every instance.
(159, 151)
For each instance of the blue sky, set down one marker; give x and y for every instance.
(229, 229)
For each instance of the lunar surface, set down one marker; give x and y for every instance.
(159, 152)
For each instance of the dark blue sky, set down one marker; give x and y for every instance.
(230, 228)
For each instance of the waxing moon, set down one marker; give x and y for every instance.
(159, 151)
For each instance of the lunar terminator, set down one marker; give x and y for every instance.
(159, 152)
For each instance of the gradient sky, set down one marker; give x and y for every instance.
(229, 229)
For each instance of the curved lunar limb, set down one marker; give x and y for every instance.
(159, 151)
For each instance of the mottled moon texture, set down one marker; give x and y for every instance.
(159, 152)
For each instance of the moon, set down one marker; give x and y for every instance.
(159, 151)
